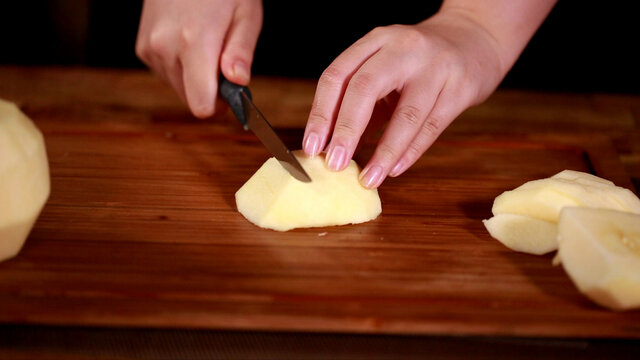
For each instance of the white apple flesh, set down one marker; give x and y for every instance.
(24, 178)
(538, 204)
(600, 251)
(523, 233)
(273, 199)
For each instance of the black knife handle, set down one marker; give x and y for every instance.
(232, 94)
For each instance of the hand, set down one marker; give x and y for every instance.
(187, 43)
(430, 72)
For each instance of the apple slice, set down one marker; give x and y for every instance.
(273, 199)
(600, 251)
(24, 178)
(523, 233)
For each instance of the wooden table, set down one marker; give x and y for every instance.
(140, 238)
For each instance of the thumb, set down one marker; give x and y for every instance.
(240, 44)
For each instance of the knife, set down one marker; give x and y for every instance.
(239, 99)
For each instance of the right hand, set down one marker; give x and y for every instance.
(187, 43)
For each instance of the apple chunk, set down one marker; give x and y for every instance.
(523, 233)
(538, 204)
(273, 199)
(600, 251)
(582, 177)
(24, 178)
(545, 198)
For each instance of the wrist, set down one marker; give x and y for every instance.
(465, 22)
(510, 24)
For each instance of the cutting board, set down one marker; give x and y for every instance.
(141, 230)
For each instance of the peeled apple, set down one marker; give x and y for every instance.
(538, 204)
(600, 251)
(24, 178)
(273, 199)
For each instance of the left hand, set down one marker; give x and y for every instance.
(432, 71)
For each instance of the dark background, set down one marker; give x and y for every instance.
(583, 46)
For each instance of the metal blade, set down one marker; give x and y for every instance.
(263, 130)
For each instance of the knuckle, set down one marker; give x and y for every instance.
(410, 115)
(378, 30)
(332, 77)
(412, 35)
(383, 30)
(345, 129)
(386, 151)
(416, 149)
(315, 116)
(187, 37)
(432, 125)
(409, 38)
(158, 43)
(363, 82)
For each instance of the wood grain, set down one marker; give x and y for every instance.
(141, 228)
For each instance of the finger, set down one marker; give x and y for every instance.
(175, 78)
(200, 72)
(449, 104)
(240, 44)
(172, 73)
(380, 116)
(152, 50)
(330, 90)
(155, 44)
(376, 78)
(414, 105)
(168, 68)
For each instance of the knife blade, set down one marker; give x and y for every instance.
(240, 100)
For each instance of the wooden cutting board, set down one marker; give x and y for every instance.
(141, 230)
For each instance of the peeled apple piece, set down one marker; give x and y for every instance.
(600, 251)
(538, 204)
(582, 177)
(273, 199)
(24, 178)
(543, 199)
(523, 233)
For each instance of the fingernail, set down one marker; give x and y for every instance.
(371, 177)
(336, 158)
(311, 144)
(240, 70)
(398, 169)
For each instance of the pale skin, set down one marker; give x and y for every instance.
(427, 73)
(187, 43)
